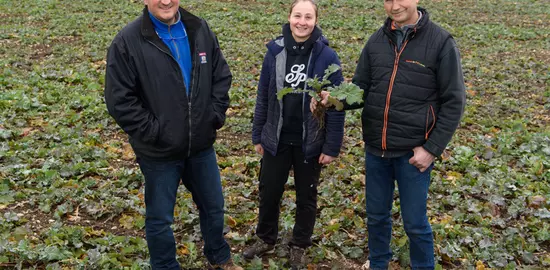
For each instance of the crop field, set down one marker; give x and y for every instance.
(71, 194)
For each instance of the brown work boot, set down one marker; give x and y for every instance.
(257, 249)
(297, 258)
(229, 265)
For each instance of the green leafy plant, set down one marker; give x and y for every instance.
(345, 92)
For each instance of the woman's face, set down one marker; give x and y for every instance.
(302, 20)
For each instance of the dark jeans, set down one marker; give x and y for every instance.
(201, 176)
(273, 177)
(413, 193)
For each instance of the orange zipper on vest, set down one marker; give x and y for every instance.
(388, 97)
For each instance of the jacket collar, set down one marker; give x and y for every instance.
(424, 19)
(192, 24)
(163, 28)
(394, 25)
(296, 48)
(278, 44)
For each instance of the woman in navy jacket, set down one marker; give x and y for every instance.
(286, 134)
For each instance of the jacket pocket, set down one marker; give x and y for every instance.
(165, 135)
(215, 120)
(418, 66)
(269, 134)
(430, 121)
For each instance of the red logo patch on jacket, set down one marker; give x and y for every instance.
(202, 55)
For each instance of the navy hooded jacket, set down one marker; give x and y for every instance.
(267, 123)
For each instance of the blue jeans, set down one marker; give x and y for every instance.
(200, 175)
(413, 185)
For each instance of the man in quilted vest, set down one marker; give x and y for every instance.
(414, 97)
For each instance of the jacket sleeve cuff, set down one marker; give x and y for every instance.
(219, 120)
(330, 152)
(353, 106)
(256, 139)
(433, 149)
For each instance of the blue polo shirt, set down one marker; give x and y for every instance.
(175, 37)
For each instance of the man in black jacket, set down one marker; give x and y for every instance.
(413, 101)
(166, 85)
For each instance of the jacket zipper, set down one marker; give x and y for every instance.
(194, 68)
(304, 136)
(175, 44)
(190, 86)
(388, 97)
(390, 89)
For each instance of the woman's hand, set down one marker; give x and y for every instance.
(324, 101)
(259, 149)
(326, 159)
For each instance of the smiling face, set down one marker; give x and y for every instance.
(165, 11)
(302, 19)
(402, 12)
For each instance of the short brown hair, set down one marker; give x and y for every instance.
(311, 1)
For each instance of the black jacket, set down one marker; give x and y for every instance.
(145, 91)
(413, 97)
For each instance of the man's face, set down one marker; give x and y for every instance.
(164, 10)
(403, 12)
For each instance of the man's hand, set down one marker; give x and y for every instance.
(313, 104)
(259, 149)
(325, 159)
(421, 159)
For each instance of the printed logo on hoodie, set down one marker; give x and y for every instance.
(296, 75)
